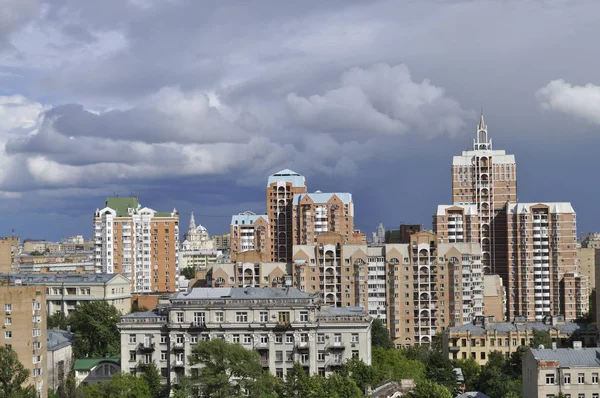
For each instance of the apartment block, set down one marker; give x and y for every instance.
(316, 213)
(572, 372)
(138, 242)
(250, 232)
(284, 325)
(590, 240)
(588, 261)
(222, 242)
(477, 340)
(541, 250)
(9, 252)
(23, 319)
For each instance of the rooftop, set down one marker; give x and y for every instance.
(569, 357)
(122, 205)
(241, 293)
(505, 327)
(247, 218)
(91, 363)
(554, 207)
(36, 278)
(322, 197)
(57, 339)
(287, 175)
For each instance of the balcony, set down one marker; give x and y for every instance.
(178, 363)
(454, 348)
(261, 346)
(336, 345)
(146, 347)
(178, 346)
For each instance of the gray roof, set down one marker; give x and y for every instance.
(247, 218)
(506, 327)
(569, 357)
(341, 311)
(143, 314)
(473, 394)
(287, 175)
(237, 293)
(57, 339)
(37, 278)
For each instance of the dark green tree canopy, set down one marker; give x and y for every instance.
(380, 336)
(95, 326)
(12, 375)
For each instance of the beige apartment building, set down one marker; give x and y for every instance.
(573, 372)
(64, 292)
(457, 223)
(248, 270)
(250, 232)
(284, 325)
(138, 242)
(541, 251)
(478, 339)
(486, 178)
(588, 261)
(9, 252)
(221, 242)
(23, 320)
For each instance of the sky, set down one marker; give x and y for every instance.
(192, 104)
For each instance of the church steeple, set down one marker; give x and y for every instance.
(481, 141)
(192, 222)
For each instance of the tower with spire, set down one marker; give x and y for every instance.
(197, 237)
(481, 141)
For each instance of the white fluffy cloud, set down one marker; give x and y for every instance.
(579, 101)
(381, 99)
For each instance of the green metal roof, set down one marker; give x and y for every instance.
(90, 363)
(163, 214)
(121, 205)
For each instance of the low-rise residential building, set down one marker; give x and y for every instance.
(478, 339)
(247, 271)
(65, 291)
(60, 356)
(284, 325)
(23, 319)
(96, 370)
(572, 372)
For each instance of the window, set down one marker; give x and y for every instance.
(264, 316)
(279, 356)
(235, 338)
(36, 332)
(8, 334)
(320, 338)
(320, 356)
(247, 339)
(354, 338)
(337, 338)
(37, 372)
(549, 378)
(7, 321)
(580, 378)
(179, 339)
(179, 317)
(284, 317)
(219, 316)
(8, 308)
(199, 318)
(194, 339)
(567, 378)
(163, 355)
(132, 339)
(303, 316)
(582, 395)
(289, 338)
(595, 395)
(594, 378)
(132, 356)
(163, 339)
(279, 338)
(241, 317)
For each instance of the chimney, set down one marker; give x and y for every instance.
(577, 345)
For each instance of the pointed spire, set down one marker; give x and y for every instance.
(192, 222)
(481, 125)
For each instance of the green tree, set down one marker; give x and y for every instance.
(337, 386)
(541, 337)
(95, 326)
(500, 377)
(380, 336)
(362, 374)
(395, 365)
(151, 376)
(122, 385)
(227, 370)
(12, 375)
(470, 370)
(57, 320)
(429, 389)
(189, 272)
(298, 384)
(68, 388)
(439, 368)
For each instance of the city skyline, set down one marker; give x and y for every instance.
(368, 98)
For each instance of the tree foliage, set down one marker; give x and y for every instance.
(226, 369)
(57, 320)
(439, 369)
(95, 326)
(380, 336)
(470, 370)
(122, 385)
(541, 337)
(151, 375)
(12, 375)
(429, 389)
(189, 272)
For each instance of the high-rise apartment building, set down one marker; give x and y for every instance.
(281, 188)
(542, 249)
(486, 178)
(250, 232)
(9, 252)
(138, 242)
(23, 318)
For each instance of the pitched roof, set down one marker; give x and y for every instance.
(569, 357)
(235, 293)
(323, 197)
(287, 175)
(57, 339)
(566, 328)
(91, 363)
(247, 218)
(122, 205)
